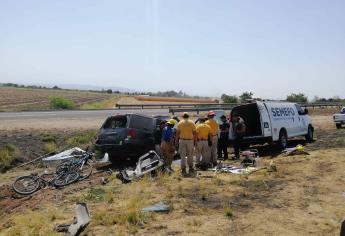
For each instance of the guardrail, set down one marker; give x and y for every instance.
(230, 106)
(192, 107)
(172, 105)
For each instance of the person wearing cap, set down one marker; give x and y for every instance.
(203, 134)
(223, 138)
(240, 130)
(168, 142)
(186, 137)
(214, 136)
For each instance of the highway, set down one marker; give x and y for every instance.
(65, 119)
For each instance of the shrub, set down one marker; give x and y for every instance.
(61, 103)
(228, 212)
(50, 147)
(9, 154)
(82, 139)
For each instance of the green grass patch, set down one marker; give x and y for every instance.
(9, 155)
(340, 140)
(91, 195)
(50, 147)
(82, 139)
(48, 138)
(228, 212)
(57, 102)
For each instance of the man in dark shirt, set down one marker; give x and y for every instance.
(240, 131)
(168, 142)
(223, 138)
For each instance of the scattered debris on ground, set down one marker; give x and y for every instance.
(147, 164)
(82, 219)
(159, 207)
(298, 150)
(67, 154)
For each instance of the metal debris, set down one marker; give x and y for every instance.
(147, 163)
(159, 207)
(68, 154)
(82, 220)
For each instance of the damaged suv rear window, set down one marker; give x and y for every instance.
(116, 122)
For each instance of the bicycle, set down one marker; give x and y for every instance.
(29, 184)
(82, 166)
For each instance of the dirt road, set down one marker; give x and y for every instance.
(88, 119)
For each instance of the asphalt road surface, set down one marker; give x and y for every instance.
(64, 119)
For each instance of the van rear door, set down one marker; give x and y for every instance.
(302, 123)
(265, 120)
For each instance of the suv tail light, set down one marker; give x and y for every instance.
(131, 133)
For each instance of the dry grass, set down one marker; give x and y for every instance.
(298, 199)
(9, 155)
(303, 197)
(39, 222)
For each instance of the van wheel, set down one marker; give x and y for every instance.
(283, 139)
(310, 135)
(338, 125)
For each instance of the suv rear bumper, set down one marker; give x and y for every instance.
(122, 152)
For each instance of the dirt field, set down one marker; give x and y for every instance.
(304, 197)
(18, 99)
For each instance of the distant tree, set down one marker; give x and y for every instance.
(229, 98)
(246, 96)
(337, 99)
(315, 99)
(300, 97)
(56, 87)
(109, 91)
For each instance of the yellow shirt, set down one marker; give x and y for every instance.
(186, 129)
(214, 126)
(202, 131)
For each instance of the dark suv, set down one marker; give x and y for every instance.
(127, 137)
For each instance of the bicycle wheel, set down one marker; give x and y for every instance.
(26, 185)
(63, 167)
(85, 171)
(66, 179)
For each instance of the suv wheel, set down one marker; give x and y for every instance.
(310, 135)
(283, 139)
(338, 125)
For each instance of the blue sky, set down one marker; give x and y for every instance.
(269, 47)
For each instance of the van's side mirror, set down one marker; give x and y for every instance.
(306, 112)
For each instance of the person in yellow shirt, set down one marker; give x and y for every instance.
(186, 138)
(214, 136)
(202, 149)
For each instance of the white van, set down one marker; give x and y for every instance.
(268, 122)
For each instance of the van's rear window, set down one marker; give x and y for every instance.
(116, 122)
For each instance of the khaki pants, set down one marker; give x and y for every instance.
(186, 152)
(202, 151)
(167, 151)
(213, 154)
